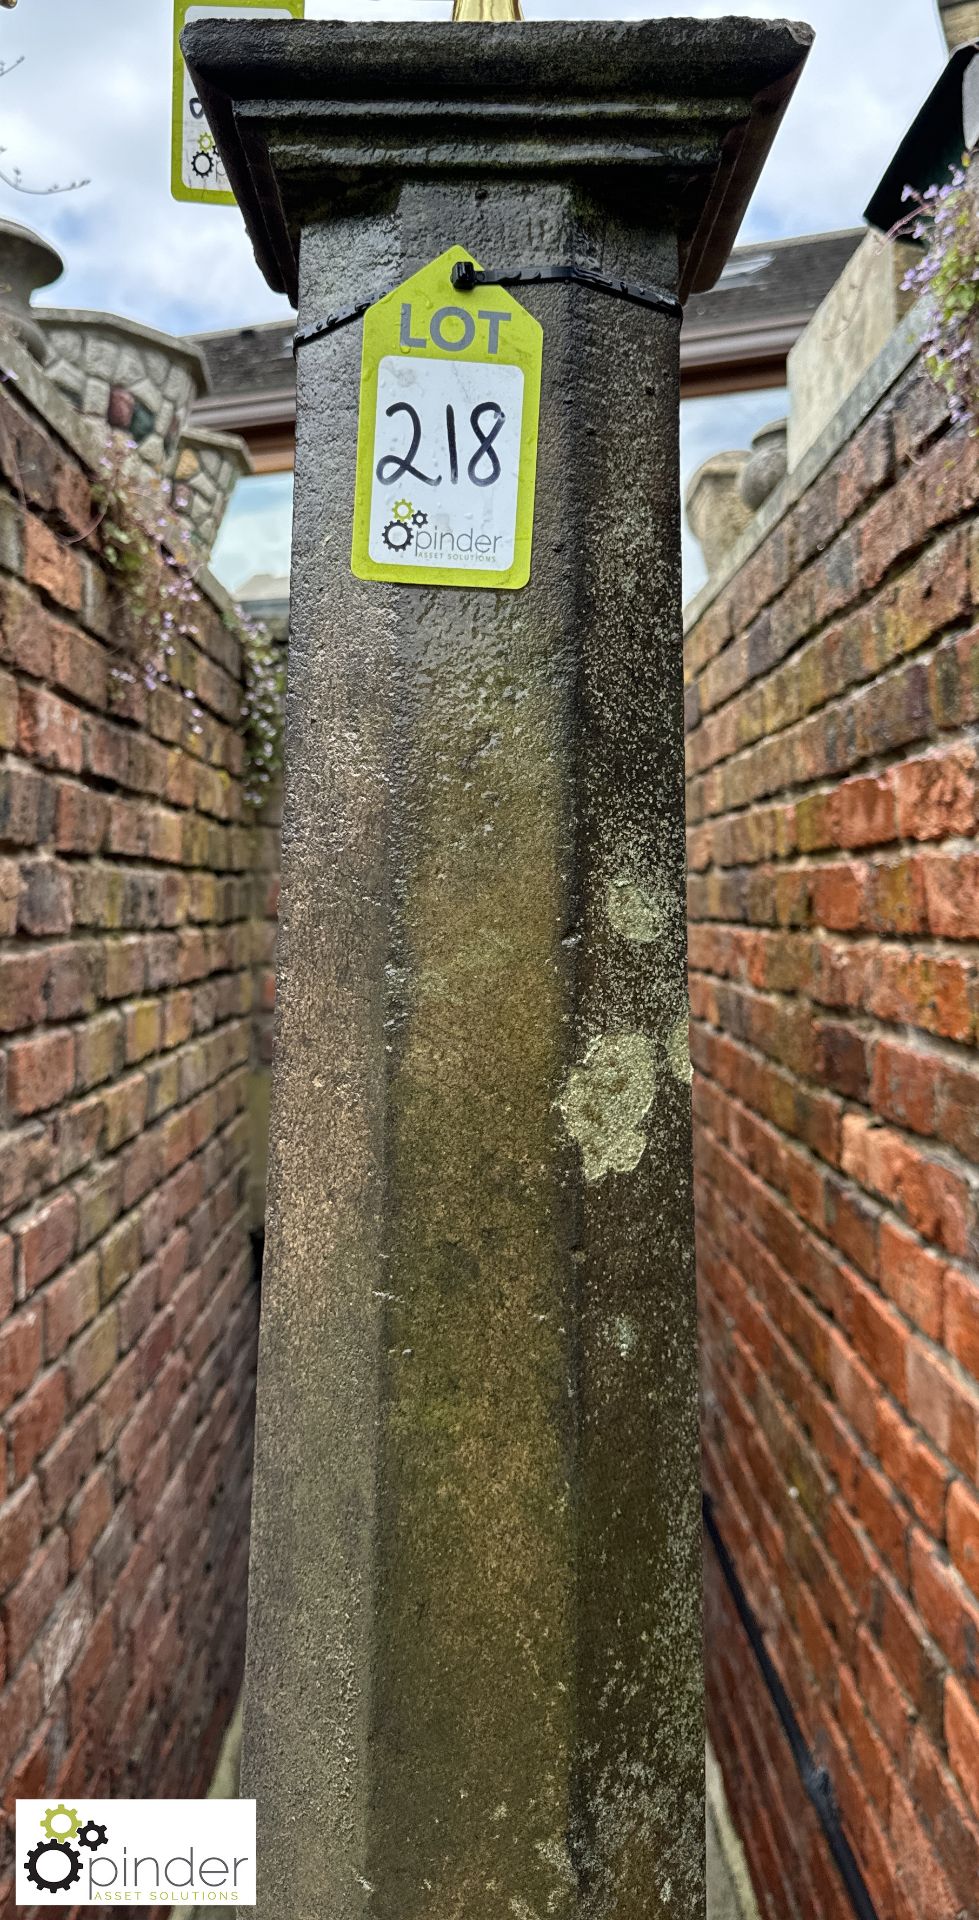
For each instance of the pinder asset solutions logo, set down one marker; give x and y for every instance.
(136, 1853)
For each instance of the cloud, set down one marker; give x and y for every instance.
(93, 97)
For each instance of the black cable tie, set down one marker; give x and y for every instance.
(466, 277)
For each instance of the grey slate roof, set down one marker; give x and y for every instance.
(762, 285)
(250, 359)
(771, 280)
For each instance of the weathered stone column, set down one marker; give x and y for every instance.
(474, 1685)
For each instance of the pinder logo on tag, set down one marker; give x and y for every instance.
(135, 1852)
(55, 1862)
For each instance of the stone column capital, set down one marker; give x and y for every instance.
(676, 114)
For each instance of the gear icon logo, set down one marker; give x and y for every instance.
(55, 1861)
(60, 1822)
(403, 510)
(397, 535)
(419, 519)
(203, 164)
(53, 1865)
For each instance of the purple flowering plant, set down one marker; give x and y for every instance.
(946, 220)
(262, 706)
(149, 557)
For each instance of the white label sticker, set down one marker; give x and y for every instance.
(201, 166)
(447, 442)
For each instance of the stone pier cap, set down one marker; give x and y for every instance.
(676, 116)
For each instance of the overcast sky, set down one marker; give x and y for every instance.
(93, 98)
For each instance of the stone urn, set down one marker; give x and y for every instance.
(209, 466)
(138, 382)
(715, 510)
(26, 262)
(767, 465)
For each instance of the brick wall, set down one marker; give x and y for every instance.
(127, 1300)
(833, 703)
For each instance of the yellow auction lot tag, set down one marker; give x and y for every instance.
(196, 172)
(447, 444)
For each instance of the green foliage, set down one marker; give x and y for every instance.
(262, 708)
(946, 220)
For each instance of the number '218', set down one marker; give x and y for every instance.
(483, 469)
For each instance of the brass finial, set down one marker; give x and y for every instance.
(486, 10)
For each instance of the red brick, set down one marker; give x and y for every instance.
(97, 1047)
(912, 1467)
(962, 1319)
(92, 1663)
(79, 664)
(20, 1532)
(962, 1736)
(911, 1653)
(64, 1635)
(942, 1407)
(69, 980)
(25, 812)
(904, 1086)
(9, 895)
(958, 1109)
(936, 1201)
(8, 711)
(47, 1240)
(49, 730)
(862, 813)
(6, 1275)
(20, 1711)
(66, 1465)
(28, 1605)
(125, 967)
(116, 1400)
(40, 1072)
(963, 1532)
(81, 818)
(913, 1277)
(843, 1059)
(897, 897)
(70, 1302)
(887, 1703)
(51, 565)
(35, 1422)
(20, 1353)
(920, 1875)
(927, 990)
(88, 1514)
(936, 796)
(21, 990)
(945, 1815)
(92, 1356)
(840, 897)
(884, 1518)
(879, 1335)
(952, 895)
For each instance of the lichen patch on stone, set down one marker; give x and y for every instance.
(633, 913)
(605, 1100)
(678, 1049)
(624, 1335)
